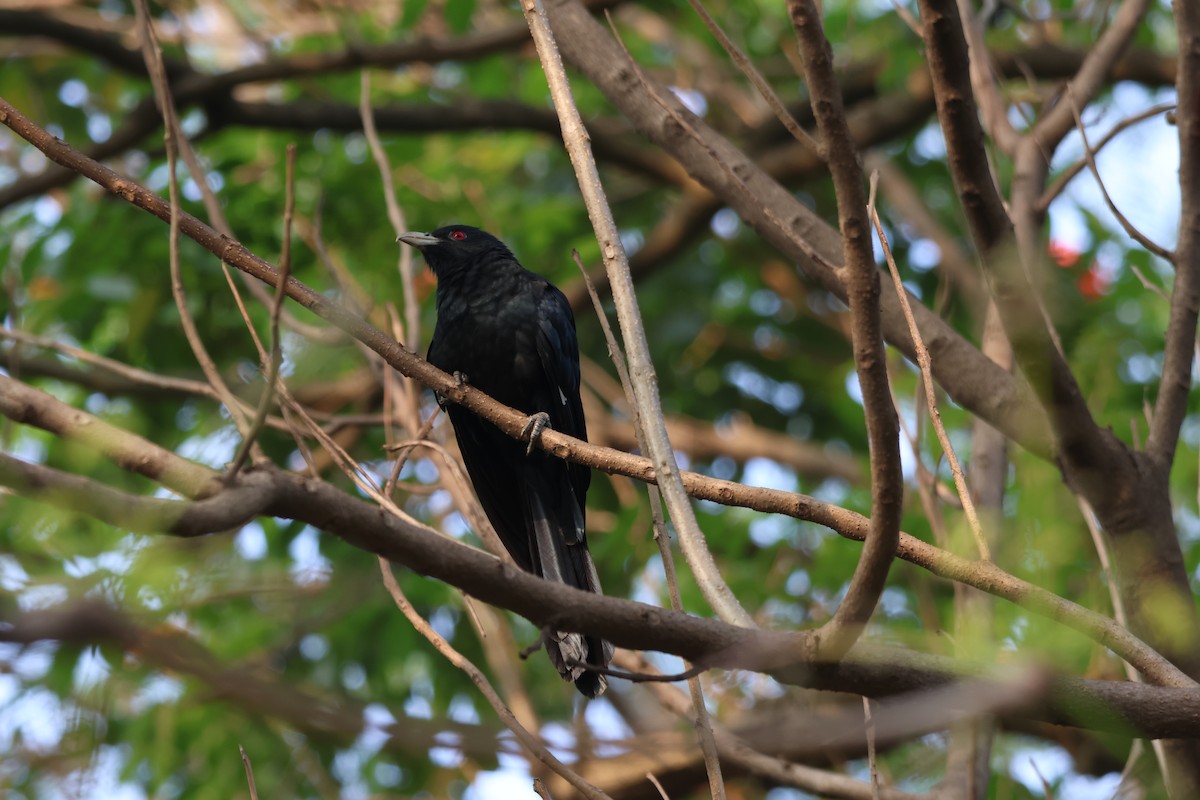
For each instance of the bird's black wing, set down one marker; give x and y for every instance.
(558, 350)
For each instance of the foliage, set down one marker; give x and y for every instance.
(741, 341)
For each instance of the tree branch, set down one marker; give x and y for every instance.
(641, 366)
(227, 510)
(861, 279)
(1171, 406)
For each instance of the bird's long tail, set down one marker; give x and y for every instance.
(561, 554)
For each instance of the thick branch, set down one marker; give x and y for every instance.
(1175, 387)
(1074, 430)
(229, 509)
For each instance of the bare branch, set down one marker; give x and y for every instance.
(960, 480)
(861, 279)
(702, 721)
(275, 355)
(641, 367)
(171, 137)
(228, 510)
(747, 67)
(412, 312)
(986, 91)
(245, 687)
(1074, 430)
(1096, 68)
(249, 773)
(1176, 384)
(1060, 183)
(1089, 155)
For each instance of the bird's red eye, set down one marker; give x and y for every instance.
(458, 236)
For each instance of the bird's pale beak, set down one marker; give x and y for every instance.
(417, 239)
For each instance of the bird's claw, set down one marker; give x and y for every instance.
(460, 380)
(533, 429)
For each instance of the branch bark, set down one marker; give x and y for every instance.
(861, 279)
(1176, 384)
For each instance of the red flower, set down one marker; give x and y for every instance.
(1063, 255)
(1092, 284)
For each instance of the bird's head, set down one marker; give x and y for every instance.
(453, 246)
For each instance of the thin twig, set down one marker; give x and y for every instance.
(1090, 156)
(130, 373)
(872, 763)
(1118, 604)
(171, 134)
(661, 791)
(404, 449)
(636, 677)
(1147, 283)
(747, 67)
(1060, 183)
(702, 723)
(249, 772)
(275, 357)
(779, 770)
(969, 747)
(531, 742)
(923, 361)
(615, 353)
(412, 310)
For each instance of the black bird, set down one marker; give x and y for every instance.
(511, 334)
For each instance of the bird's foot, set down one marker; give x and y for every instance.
(460, 380)
(533, 429)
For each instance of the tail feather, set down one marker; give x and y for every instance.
(563, 556)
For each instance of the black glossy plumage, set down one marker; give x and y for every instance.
(510, 333)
